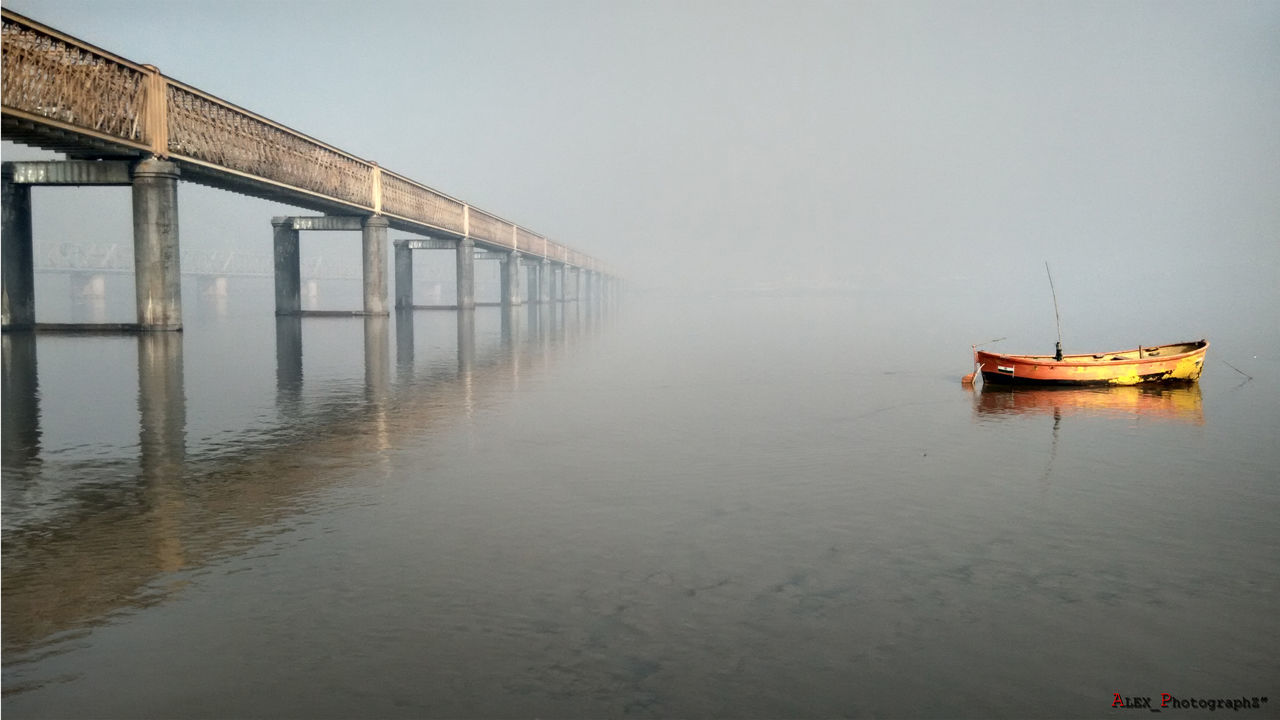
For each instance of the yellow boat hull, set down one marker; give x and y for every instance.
(1176, 363)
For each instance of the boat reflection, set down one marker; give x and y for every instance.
(1172, 404)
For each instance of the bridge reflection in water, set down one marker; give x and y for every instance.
(102, 537)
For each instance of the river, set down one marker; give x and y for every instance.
(737, 507)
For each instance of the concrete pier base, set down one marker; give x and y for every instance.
(157, 275)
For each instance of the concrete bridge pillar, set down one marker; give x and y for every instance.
(404, 275)
(157, 275)
(574, 278)
(532, 285)
(373, 235)
(288, 267)
(17, 262)
(466, 273)
(510, 279)
(374, 242)
(544, 281)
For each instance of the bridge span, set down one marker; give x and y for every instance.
(119, 122)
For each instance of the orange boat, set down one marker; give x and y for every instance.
(1177, 363)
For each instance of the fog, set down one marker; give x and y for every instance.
(754, 485)
(930, 154)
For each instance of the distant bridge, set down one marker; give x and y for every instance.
(117, 259)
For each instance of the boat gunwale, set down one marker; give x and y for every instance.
(1198, 347)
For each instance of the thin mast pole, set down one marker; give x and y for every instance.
(1056, 318)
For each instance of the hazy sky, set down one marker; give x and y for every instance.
(945, 147)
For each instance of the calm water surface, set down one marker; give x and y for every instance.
(778, 507)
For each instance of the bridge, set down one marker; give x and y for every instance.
(119, 122)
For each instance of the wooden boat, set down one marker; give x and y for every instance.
(1177, 363)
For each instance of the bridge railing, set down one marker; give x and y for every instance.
(213, 132)
(53, 79)
(405, 198)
